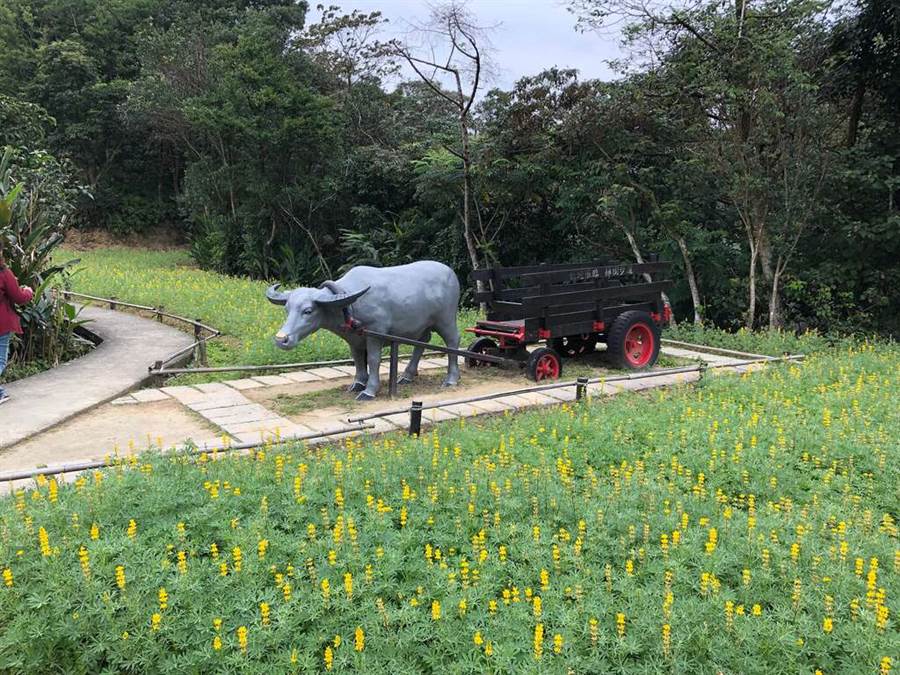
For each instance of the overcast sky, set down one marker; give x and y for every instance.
(529, 35)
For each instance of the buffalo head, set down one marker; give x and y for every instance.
(308, 310)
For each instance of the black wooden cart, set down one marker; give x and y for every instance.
(571, 308)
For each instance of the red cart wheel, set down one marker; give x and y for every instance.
(572, 346)
(482, 345)
(544, 364)
(634, 340)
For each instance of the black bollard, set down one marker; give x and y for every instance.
(581, 388)
(415, 418)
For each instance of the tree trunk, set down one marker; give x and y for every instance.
(775, 320)
(640, 261)
(751, 310)
(471, 247)
(691, 279)
(855, 113)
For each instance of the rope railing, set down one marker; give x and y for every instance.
(198, 347)
(74, 467)
(416, 407)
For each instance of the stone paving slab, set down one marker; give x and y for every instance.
(256, 413)
(536, 398)
(124, 400)
(246, 383)
(272, 380)
(491, 405)
(514, 401)
(463, 410)
(349, 371)
(382, 425)
(213, 401)
(302, 376)
(149, 395)
(113, 368)
(326, 373)
(563, 394)
(184, 394)
(400, 420)
(213, 388)
(435, 415)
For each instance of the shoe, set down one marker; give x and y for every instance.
(4, 397)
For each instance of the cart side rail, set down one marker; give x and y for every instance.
(514, 284)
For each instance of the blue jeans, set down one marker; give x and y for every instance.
(4, 352)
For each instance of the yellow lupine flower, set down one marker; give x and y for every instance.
(329, 658)
(155, 620)
(85, 561)
(348, 585)
(242, 638)
(435, 610)
(557, 643)
(120, 577)
(44, 542)
(359, 639)
(538, 641)
(7, 577)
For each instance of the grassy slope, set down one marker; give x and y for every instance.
(793, 469)
(236, 306)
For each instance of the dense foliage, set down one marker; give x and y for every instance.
(746, 526)
(753, 142)
(36, 196)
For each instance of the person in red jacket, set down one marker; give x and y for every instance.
(10, 294)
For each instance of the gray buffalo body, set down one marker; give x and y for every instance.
(409, 301)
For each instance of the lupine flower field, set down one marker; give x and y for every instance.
(745, 525)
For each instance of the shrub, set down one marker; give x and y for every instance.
(34, 188)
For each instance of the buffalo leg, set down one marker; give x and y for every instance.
(412, 368)
(373, 357)
(362, 375)
(450, 333)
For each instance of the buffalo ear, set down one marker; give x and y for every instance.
(275, 296)
(329, 298)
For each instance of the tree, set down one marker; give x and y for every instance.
(762, 126)
(454, 54)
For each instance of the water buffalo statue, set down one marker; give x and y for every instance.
(407, 300)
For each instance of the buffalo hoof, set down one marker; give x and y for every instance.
(406, 379)
(356, 386)
(363, 396)
(450, 383)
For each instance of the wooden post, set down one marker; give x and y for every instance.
(159, 311)
(415, 418)
(155, 368)
(201, 344)
(112, 302)
(581, 388)
(392, 373)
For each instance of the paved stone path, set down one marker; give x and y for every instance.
(117, 365)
